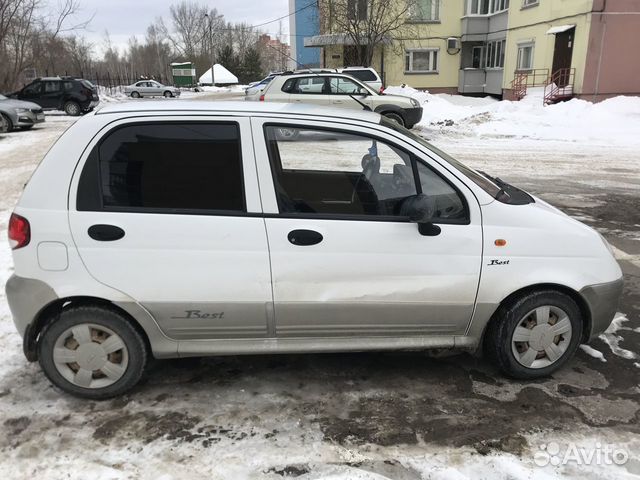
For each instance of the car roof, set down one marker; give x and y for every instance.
(241, 107)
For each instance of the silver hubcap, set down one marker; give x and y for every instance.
(541, 337)
(90, 356)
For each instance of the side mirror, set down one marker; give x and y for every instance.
(421, 209)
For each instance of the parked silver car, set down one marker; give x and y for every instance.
(151, 88)
(19, 114)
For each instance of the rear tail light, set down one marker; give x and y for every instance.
(381, 90)
(262, 98)
(19, 231)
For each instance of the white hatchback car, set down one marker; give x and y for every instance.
(175, 230)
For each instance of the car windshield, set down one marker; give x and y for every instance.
(476, 177)
(2, 97)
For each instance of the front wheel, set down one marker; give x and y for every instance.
(92, 352)
(9, 122)
(534, 335)
(168, 94)
(72, 109)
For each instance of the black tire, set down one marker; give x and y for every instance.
(97, 315)
(135, 95)
(395, 117)
(498, 337)
(9, 122)
(168, 94)
(72, 108)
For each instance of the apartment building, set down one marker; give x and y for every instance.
(501, 47)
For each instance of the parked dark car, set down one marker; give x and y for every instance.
(73, 95)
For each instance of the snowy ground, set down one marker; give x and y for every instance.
(401, 416)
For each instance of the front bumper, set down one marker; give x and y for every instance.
(412, 116)
(27, 119)
(602, 300)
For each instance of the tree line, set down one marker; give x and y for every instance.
(39, 38)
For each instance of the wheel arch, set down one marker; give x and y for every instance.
(50, 312)
(570, 292)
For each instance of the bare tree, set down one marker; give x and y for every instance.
(368, 24)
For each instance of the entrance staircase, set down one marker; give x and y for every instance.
(558, 86)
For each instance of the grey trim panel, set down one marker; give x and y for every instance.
(26, 298)
(210, 320)
(602, 300)
(195, 348)
(357, 318)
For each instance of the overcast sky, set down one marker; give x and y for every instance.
(124, 18)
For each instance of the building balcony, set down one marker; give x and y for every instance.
(477, 27)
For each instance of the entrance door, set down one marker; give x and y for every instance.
(168, 213)
(562, 54)
(345, 261)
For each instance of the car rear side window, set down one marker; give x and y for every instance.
(362, 75)
(165, 168)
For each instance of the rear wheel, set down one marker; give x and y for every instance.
(72, 108)
(135, 95)
(534, 335)
(92, 352)
(9, 122)
(394, 117)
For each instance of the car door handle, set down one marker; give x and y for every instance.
(105, 233)
(337, 101)
(304, 237)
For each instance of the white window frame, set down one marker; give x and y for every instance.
(521, 47)
(495, 61)
(415, 14)
(530, 3)
(498, 6)
(433, 60)
(479, 9)
(482, 55)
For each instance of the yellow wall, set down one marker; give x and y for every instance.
(518, 32)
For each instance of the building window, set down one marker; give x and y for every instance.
(525, 56)
(495, 54)
(478, 7)
(499, 5)
(425, 11)
(357, 9)
(529, 3)
(421, 61)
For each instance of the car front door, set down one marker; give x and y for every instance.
(155, 88)
(344, 91)
(32, 93)
(345, 259)
(168, 213)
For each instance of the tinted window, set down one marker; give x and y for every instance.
(171, 167)
(51, 87)
(327, 172)
(68, 86)
(32, 89)
(363, 75)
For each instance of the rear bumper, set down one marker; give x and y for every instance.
(602, 300)
(412, 116)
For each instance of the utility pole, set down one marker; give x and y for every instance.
(213, 64)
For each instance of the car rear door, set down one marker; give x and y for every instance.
(312, 90)
(344, 260)
(167, 211)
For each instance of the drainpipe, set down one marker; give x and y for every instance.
(604, 32)
(384, 81)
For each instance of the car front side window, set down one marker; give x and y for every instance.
(320, 172)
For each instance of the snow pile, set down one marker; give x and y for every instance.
(111, 95)
(616, 120)
(221, 76)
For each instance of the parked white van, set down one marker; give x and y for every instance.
(188, 229)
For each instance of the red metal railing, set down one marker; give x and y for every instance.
(528, 78)
(559, 85)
